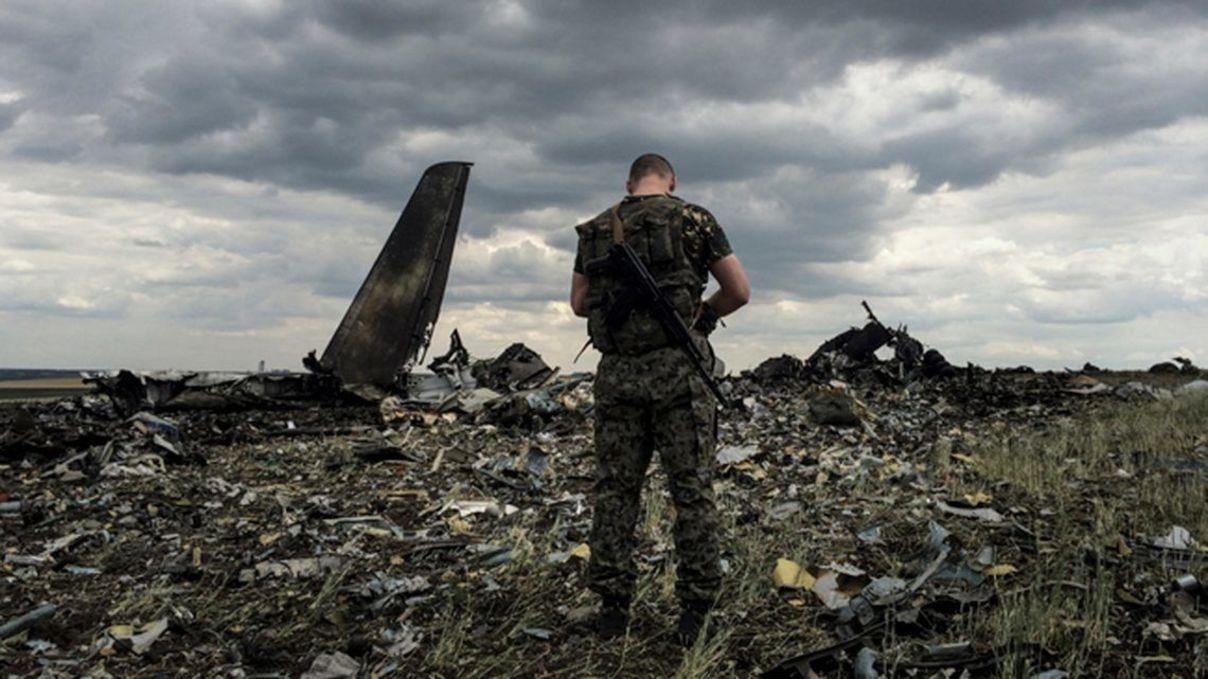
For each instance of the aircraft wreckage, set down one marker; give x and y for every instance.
(384, 333)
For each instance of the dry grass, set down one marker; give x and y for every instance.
(1083, 485)
(1103, 485)
(1133, 452)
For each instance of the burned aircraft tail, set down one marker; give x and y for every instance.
(390, 321)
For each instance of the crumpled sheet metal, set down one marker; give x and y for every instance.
(134, 391)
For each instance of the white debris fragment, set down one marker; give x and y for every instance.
(1178, 538)
(138, 638)
(402, 641)
(471, 507)
(1193, 387)
(985, 514)
(332, 666)
(298, 568)
(735, 454)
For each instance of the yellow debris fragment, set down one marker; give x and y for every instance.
(417, 493)
(583, 551)
(376, 531)
(790, 574)
(977, 499)
(1122, 546)
(1000, 569)
(755, 471)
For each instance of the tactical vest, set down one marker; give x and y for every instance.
(653, 227)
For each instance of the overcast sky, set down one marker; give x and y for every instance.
(206, 184)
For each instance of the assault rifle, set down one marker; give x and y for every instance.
(643, 291)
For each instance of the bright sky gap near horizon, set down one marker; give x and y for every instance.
(206, 185)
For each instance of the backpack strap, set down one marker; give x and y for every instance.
(618, 230)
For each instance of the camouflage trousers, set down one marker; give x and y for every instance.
(655, 401)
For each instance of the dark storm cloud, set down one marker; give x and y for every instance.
(953, 156)
(33, 32)
(9, 113)
(798, 217)
(304, 94)
(1105, 88)
(158, 115)
(553, 99)
(373, 20)
(49, 153)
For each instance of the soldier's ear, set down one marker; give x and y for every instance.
(629, 186)
(671, 188)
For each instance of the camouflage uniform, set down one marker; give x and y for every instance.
(648, 396)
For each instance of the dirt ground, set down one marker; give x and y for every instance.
(447, 547)
(21, 390)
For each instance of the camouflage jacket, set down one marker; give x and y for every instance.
(677, 242)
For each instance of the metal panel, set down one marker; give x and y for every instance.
(390, 321)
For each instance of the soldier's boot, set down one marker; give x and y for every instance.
(612, 620)
(693, 615)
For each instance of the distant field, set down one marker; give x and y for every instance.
(47, 387)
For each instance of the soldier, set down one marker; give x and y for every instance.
(648, 394)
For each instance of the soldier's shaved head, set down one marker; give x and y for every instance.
(648, 164)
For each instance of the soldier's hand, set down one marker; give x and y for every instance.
(706, 319)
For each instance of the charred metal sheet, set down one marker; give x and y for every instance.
(390, 321)
(132, 391)
(516, 369)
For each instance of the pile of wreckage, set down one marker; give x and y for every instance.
(361, 523)
(515, 386)
(367, 518)
(385, 332)
(851, 358)
(854, 351)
